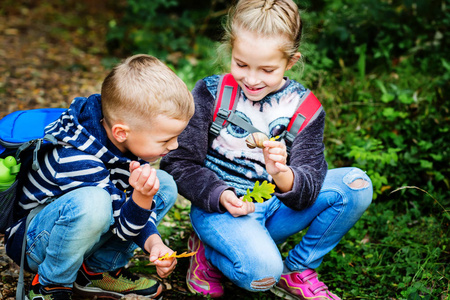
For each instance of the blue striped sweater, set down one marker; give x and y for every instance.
(88, 159)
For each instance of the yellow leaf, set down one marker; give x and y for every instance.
(174, 255)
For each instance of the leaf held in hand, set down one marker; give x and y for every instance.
(260, 192)
(174, 255)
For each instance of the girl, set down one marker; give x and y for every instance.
(239, 239)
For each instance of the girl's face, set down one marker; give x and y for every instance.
(258, 64)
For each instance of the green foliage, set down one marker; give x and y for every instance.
(381, 70)
(259, 192)
(176, 32)
(371, 262)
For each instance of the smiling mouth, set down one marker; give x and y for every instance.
(253, 89)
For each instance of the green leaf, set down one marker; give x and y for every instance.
(260, 192)
(386, 98)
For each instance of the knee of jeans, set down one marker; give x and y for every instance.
(261, 278)
(358, 180)
(263, 284)
(94, 207)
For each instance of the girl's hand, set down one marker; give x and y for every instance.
(145, 183)
(157, 249)
(234, 205)
(275, 156)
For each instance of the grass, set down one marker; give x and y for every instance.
(387, 255)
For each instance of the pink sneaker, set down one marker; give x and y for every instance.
(303, 286)
(202, 277)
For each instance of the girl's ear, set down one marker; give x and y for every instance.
(293, 60)
(120, 132)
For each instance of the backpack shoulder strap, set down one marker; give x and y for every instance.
(309, 107)
(227, 94)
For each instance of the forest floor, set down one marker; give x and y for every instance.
(50, 53)
(46, 60)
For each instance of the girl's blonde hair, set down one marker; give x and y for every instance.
(271, 18)
(142, 87)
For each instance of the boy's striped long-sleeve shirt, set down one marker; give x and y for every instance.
(88, 158)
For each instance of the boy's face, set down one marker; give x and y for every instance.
(155, 140)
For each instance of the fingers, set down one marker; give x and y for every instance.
(275, 155)
(245, 209)
(144, 179)
(282, 167)
(165, 267)
(276, 150)
(134, 165)
(234, 205)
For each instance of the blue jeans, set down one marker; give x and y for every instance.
(75, 228)
(245, 249)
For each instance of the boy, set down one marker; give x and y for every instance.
(103, 200)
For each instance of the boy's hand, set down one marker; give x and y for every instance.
(235, 206)
(145, 183)
(275, 156)
(157, 248)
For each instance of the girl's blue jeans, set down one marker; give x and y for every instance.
(245, 249)
(75, 228)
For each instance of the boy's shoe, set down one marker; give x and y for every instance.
(202, 277)
(303, 286)
(114, 284)
(38, 291)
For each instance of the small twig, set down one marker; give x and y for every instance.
(417, 188)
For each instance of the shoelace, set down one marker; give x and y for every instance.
(125, 273)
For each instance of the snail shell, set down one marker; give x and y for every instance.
(256, 139)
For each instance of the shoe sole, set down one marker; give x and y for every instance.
(191, 289)
(192, 249)
(283, 294)
(102, 294)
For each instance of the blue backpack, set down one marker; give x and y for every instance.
(21, 139)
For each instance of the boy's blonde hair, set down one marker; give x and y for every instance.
(271, 18)
(142, 87)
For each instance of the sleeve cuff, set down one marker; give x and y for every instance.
(215, 198)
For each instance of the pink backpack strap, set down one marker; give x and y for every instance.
(309, 108)
(226, 100)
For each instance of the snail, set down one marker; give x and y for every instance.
(256, 139)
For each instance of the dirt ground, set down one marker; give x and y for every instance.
(50, 53)
(46, 61)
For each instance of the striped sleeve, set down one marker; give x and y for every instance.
(65, 169)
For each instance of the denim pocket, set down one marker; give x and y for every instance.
(38, 247)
